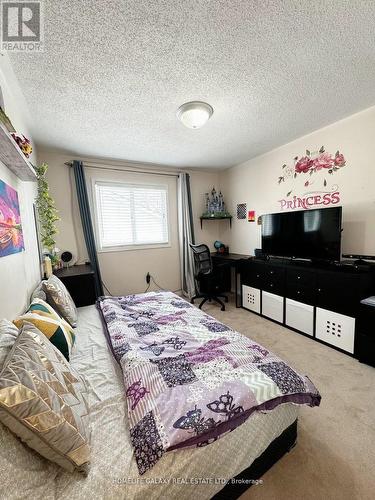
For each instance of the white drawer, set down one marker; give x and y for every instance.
(336, 329)
(299, 316)
(251, 298)
(273, 306)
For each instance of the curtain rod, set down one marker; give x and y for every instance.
(70, 164)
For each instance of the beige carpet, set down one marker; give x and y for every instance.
(335, 453)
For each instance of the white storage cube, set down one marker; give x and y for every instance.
(251, 298)
(299, 316)
(273, 306)
(336, 329)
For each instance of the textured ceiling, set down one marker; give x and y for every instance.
(114, 73)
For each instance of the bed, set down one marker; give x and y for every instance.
(256, 444)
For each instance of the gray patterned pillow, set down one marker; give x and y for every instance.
(8, 335)
(43, 401)
(39, 293)
(59, 298)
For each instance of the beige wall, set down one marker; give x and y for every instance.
(255, 183)
(202, 183)
(124, 272)
(19, 273)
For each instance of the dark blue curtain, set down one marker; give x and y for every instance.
(84, 208)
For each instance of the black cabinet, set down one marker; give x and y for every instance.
(364, 347)
(301, 293)
(301, 284)
(274, 279)
(322, 301)
(300, 277)
(252, 275)
(79, 280)
(338, 292)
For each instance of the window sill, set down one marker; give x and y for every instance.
(134, 248)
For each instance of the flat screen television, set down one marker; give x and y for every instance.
(307, 234)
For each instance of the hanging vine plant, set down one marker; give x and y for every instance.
(47, 212)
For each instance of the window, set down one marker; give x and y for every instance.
(131, 215)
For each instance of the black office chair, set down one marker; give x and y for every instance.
(210, 280)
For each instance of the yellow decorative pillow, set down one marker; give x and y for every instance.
(46, 319)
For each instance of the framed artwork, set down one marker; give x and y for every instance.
(11, 236)
(241, 211)
(251, 216)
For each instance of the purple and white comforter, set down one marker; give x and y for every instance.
(189, 378)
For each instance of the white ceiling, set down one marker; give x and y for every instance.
(114, 73)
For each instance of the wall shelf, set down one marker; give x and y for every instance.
(13, 158)
(229, 217)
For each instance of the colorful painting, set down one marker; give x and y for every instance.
(11, 237)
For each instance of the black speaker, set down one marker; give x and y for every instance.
(258, 253)
(67, 258)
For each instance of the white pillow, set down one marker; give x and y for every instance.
(8, 334)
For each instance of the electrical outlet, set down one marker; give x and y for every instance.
(148, 278)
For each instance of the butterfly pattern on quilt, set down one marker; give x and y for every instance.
(156, 349)
(136, 392)
(225, 406)
(175, 342)
(194, 422)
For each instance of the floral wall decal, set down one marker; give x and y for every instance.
(311, 163)
(308, 179)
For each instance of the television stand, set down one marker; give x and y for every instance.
(319, 300)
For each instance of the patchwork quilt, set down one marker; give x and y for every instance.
(190, 379)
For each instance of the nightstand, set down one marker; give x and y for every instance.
(79, 280)
(364, 347)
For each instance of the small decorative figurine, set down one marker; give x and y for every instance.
(24, 144)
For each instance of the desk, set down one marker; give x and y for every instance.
(233, 260)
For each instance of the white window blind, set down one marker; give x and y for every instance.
(131, 215)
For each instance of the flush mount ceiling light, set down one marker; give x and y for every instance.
(194, 114)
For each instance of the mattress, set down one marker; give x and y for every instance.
(114, 473)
